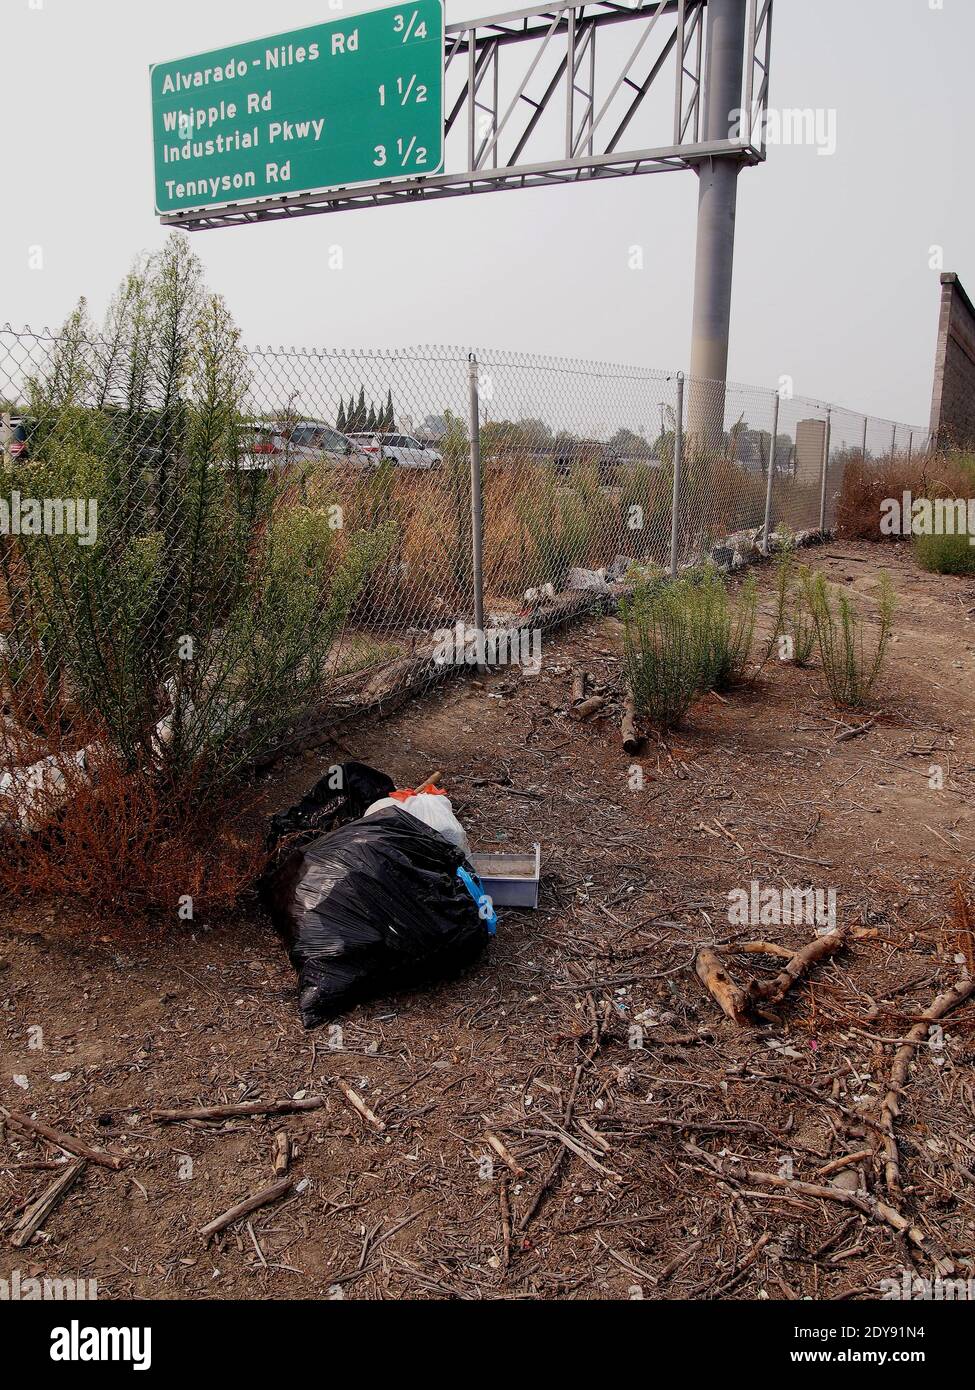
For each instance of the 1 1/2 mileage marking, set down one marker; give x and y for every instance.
(352, 101)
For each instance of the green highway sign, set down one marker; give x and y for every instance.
(357, 100)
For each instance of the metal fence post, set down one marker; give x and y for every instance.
(910, 446)
(893, 441)
(866, 422)
(678, 468)
(825, 471)
(771, 475)
(477, 536)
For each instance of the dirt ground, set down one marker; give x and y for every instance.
(638, 1170)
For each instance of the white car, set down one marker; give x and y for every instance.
(402, 449)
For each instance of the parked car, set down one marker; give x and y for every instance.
(262, 448)
(586, 452)
(402, 449)
(14, 438)
(312, 441)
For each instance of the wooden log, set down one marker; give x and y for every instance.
(580, 682)
(230, 1112)
(257, 1199)
(719, 984)
(632, 741)
(39, 1210)
(890, 1108)
(68, 1142)
(281, 1153)
(589, 707)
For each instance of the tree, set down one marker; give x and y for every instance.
(69, 372)
(340, 423)
(389, 419)
(371, 422)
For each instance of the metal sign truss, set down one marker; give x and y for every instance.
(547, 96)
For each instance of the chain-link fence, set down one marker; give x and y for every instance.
(211, 553)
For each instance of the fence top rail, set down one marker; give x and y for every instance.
(506, 358)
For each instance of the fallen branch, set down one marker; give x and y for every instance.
(360, 1107)
(38, 1211)
(68, 1142)
(504, 1154)
(757, 948)
(854, 732)
(249, 1204)
(870, 1206)
(632, 741)
(719, 984)
(229, 1112)
(890, 1108)
(772, 991)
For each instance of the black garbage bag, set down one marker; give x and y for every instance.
(345, 793)
(373, 906)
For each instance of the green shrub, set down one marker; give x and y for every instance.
(945, 554)
(850, 662)
(200, 623)
(682, 637)
(662, 651)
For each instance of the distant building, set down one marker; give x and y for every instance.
(810, 442)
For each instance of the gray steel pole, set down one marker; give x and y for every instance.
(678, 470)
(477, 535)
(866, 421)
(716, 210)
(825, 472)
(893, 441)
(910, 446)
(771, 475)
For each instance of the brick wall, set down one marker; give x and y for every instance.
(953, 402)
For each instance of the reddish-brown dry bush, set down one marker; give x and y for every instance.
(865, 485)
(127, 843)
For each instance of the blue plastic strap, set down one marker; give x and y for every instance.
(485, 907)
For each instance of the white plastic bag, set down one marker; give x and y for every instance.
(433, 810)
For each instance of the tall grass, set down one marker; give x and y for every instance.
(793, 625)
(851, 662)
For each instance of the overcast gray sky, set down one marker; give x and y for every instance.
(834, 283)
